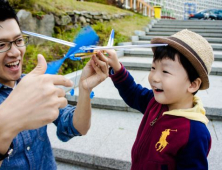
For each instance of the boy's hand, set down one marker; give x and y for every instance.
(113, 60)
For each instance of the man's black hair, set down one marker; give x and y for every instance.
(7, 12)
(169, 52)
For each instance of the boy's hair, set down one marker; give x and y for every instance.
(194, 48)
(7, 12)
(169, 52)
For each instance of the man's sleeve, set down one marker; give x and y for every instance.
(64, 123)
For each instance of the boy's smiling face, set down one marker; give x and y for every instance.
(11, 60)
(170, 83)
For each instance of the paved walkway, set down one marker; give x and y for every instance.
(109, 141)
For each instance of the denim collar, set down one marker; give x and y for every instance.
(4, 86)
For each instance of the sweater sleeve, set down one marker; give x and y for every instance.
(194, 155)
(133, 94)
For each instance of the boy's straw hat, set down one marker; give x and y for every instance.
(195, 48)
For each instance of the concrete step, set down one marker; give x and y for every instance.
(109, 141)
(202, 27)
(145, 63)
(107, 96)
(107, 144)
(147, 52)
(215, 46)
(212, 35)
(209, 39)
(69, 166)
(189, 22)
(192, 29)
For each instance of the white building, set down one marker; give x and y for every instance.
(179, 9)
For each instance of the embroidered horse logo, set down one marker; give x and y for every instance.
(162, 143)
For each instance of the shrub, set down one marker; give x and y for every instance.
(22, 3)
(98, 1)
(103, 30)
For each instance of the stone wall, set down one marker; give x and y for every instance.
(45, 24)
(88, 18)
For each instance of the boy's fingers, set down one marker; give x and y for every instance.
(110, 52)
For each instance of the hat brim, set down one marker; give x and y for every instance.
(189, 54)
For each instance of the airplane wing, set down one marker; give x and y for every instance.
(71, 44)
(111, 42)
(109, 45)
(111, 39)
(124, 46)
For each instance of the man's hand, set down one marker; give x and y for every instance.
(34, 103)
(95, 71)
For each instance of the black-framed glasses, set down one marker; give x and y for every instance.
(19, 42)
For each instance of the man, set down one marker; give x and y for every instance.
(23, 135)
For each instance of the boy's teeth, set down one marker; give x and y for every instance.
(13, 63)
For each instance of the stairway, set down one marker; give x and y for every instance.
(114, 125)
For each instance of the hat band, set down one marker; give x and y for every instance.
(190, 49)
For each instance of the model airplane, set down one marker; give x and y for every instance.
(84, 46)
(85, 43)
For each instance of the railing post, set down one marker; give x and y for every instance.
(142, 7)
(145, 10)
(150, 12)
(134, 5)
(126, 3)
(137, 6)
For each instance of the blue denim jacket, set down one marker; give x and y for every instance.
(32, 148)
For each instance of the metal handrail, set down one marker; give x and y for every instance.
(140, 6)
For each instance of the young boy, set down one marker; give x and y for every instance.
(173, 133)
(25, 132)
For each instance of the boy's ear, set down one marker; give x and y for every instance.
(195, 85)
